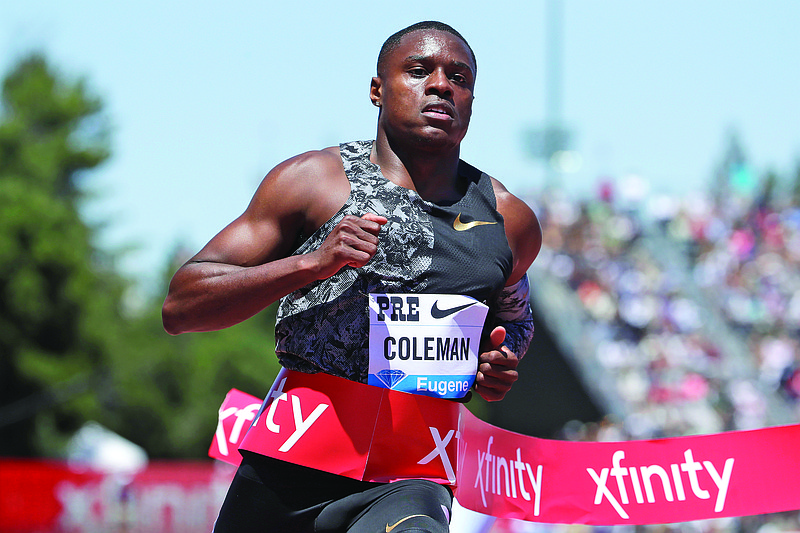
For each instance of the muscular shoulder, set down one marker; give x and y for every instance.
(327, 157)
(311, 186)
(306, 172)
(296, 195)
(523, 231)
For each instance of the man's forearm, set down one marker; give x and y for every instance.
(513, 312)
(208, 296)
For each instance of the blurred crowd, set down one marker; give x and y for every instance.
(747, 254)
(692, 310)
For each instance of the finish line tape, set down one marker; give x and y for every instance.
(374, 434)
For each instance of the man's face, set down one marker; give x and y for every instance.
(426, 89)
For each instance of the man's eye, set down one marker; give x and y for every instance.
(418, 72)
(459, 78)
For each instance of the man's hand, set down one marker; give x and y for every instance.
(353, 242)
(497, 368)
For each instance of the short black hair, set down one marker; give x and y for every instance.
(394, 40)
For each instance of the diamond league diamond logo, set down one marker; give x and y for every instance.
(390, 377)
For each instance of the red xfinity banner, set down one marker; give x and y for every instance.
(378, 434)
(48, 496)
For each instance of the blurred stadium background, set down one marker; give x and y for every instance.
(656, 316)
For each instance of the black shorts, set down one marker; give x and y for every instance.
(268, 495)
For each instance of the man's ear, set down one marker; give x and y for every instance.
(375, 91)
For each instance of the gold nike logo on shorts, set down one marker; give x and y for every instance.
(390, 528)
(464, 226)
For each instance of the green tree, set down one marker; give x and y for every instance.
(70, 351)
(58, 295)
(795, 186)
(768, 192)
(734, 175)
(166, 391)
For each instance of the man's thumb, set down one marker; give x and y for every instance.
(497, 336)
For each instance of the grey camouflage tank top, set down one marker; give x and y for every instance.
(424, 248)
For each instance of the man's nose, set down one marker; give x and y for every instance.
(439, 83)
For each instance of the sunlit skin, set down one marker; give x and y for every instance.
(425, 94)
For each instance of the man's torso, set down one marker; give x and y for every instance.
(459, 248)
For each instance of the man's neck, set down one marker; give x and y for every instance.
(432, 174)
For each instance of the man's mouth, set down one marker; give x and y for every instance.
(440, 111)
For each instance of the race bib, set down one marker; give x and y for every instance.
(425, 343)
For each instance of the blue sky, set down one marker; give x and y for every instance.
(205, 97)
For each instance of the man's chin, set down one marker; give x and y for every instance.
(439, 139)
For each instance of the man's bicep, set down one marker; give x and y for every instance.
(527, 241)
(266, 231)
(248, 241)
(523, 232)
(294, 198)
